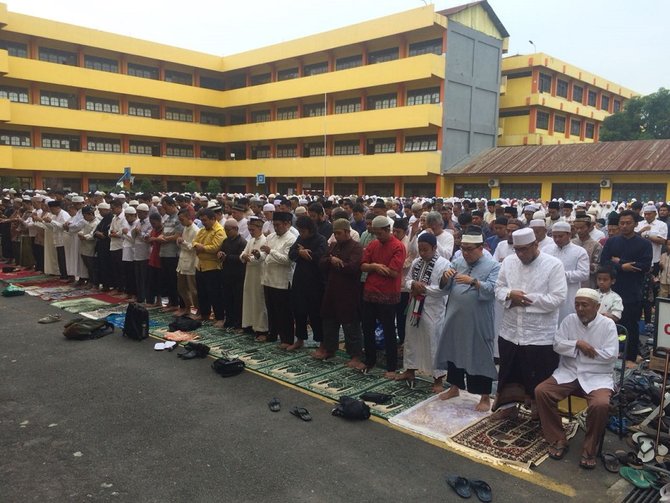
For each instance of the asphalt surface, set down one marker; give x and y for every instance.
(114, 420)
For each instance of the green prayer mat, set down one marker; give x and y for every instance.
(78, 305)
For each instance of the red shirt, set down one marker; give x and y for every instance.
(154, 256)
(378, 288)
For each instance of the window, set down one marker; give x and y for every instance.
(260, 116)
(56, 56)
(348, 62)
(212, 118)
(261, 152)
(423, 96)
(62, 100)
(575, 191)
(420, 143)
(145, 72)
(212, 83)
(314, 150)
(590, 130)
(56, 141)
(212, 153)
(236, 81)
(429, 46)
(383, 56)
(545, 83)
(604, 102)
(616, 106)
(383, 146)
(520, 190)
(15, 94)
(178, 114)
(382, 101)
(542, 120)
(352, 147)
(577, 93)
(513, 113)
(562, 88)
(94, 104)
(313, 110)
(559, 124)
(15, 49)
(591, 99)
(177, 150)
(101, 64)
(178, 77)
(575, 127)
(238, 118)
(315, 69)
(263, 78)
(288, 74)
(144, 148)
(15, 138)
(289, 150)
(348, 106)
(103, 145)
(144, 110)
(287, 113)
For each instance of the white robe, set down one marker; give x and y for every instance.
(445, 245)
(75, 265)
(577, 267)
(254, 312)
(421, 342)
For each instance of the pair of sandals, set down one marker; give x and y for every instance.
(646, 447)
(558, 452)
(644, 479)
(464, 488)
(300, 412)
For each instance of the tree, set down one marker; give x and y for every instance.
(9, 182)
(214, 186)
(191, 187)
(145, 185)
(642, 118)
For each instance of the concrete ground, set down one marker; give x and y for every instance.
(113, 420)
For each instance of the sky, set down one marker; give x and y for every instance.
(619, 40)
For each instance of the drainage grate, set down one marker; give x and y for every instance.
(642, 496)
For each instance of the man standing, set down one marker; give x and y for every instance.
(630, 255)
(575, 263)
(499, 226)
(383, 260)
(169, 252)
(532, 287)
(540, 229)
(583, 227)
(232, 274)
(655, 231)
(55, 221)
(588, 344)
(206, 244)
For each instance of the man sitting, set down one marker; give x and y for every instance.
(588, 345)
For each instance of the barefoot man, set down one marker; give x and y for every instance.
(466, 346)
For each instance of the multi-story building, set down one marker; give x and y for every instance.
(547, 101)
(385, 106)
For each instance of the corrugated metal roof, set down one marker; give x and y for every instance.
(640, 156)
(485, 5)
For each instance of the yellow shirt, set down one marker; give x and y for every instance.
(211, 240)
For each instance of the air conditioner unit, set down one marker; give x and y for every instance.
(494, 182)
(605, 183)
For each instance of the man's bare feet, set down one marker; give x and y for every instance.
(218, 324)
(504, 414)
(407, 375)
(391, 374)
(296, 345)
(356, 363)
(484, 404)
(630, 364)
(261, 338)
(284, 345)
(452, 392)
(180, 312)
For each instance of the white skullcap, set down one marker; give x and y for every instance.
(379, 222)
(103, 206)
(130, 211)
(268, 207)
(155, 199)
(231, 222)
(589, 293)
(391, 214)
(212, 204)
(134, 203)
(539, 215)
(300, 210)
(142, 207)
(523, 237)
(650, 208)
(537, 223)
(561, 227)
(77, 199)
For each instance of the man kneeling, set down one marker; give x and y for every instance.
(588, 344)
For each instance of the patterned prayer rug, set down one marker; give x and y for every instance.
(79, 305)
(518, 442)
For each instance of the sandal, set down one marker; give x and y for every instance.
(302, 413)
(274, 405)
(52, 318)
(460, 485)
(611, 462)
(557, 451)
(587, 462)
(635, 477)
(482, 490)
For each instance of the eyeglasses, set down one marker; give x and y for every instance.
(523, 249)
(468, 249)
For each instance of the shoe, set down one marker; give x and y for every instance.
(302, 413)
(274, 405)
(52, 318)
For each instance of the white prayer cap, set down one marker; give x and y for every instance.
(130, 211)
(268, 207)
(134, 203)
(18, 200)
(26, 198)
(589, 293)
(391, 214)
(121, 196)
(103, 206)
(98, 193)
(650, 208)
(472, 238)
(142, 207)
(537, 223)
(561, 227)
(302, 201)
(523, 237)
(212, 204)
(379, 222)
(301, 210)
(539, 215)
(155, 199)
(77, 199)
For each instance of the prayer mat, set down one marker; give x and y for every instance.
(516, 442)
(24, 274)
(104, 312)
(30, 280)
(78, 305)
(439, 419)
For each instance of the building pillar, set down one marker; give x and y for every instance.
(196, 78)
(84, 183)
(273, 149)
(398, 142)
(596, 132)
(32, 48)
(298, 186)
(364, 54)
(250, 185)
(123, 104)
(331, 61)
(532, 120)
(440, 186)
(163, 148)
(125, 144)
(605, 193)
(397, 186)
(273, 185)
(328, 188)
(36, 137)
(535, 81)
(123, 64)
(550, 127)
(83, 139)
(161, 71)
(545, 191)
(82, 99)
(80, 57)
(164, 182)
(34, 94)
(401, 95)
(361, 185)
(196, 150)
(402, 49)
(247, 151)
(38, 183)
(361, 144)
(495, 192)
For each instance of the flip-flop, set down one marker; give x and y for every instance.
(665, 493)
(635, 477)
(302, 413)
(460, 485)
(588, 462)
(170, 345)
(52, 318)
(482, 490)
(561, 451)
(611, 462)
(159, 346)
(274, 405)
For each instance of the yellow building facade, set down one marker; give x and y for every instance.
(359, 109)
(546, 101)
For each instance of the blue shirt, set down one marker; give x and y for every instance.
(635, 249)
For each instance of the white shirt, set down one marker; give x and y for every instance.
(87, 245)
(117, 225)
(611, 303)
(56, 225)
(502, 251)
(543, 281)
(243, 229)
(658, 229)
(596, 234)
(187, 255)
(445, 245)
(577, 267)
(142, 248)
(128, 254)
(278, 270)
(592, 373)
(545, 243)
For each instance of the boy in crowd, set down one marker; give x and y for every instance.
(611, 304)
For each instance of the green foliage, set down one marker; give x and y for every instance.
(192, 187)
(213, 186)
(146, 185)
(642, 118)
(9, 182)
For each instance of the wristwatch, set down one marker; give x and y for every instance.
(473, 282)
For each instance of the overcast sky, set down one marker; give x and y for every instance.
(619, 40)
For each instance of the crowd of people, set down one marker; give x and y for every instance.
(523, 292)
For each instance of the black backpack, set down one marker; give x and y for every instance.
(136, 325)
(350, 408)
(185, 324)
(81, 329)
(227, 367)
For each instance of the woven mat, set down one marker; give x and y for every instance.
(517, 442)
(79, 305)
